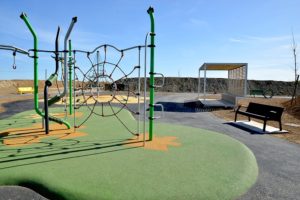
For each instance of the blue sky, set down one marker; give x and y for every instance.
(188, 33)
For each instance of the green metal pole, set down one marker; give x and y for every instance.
(35, 64)
(152, 45)
(70, 78)
(35, 78)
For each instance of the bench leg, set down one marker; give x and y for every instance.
(235, 117)
(265, 123)
(280, 126)
(249, 119)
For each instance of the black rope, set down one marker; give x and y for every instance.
(88, 81)
(14, 66)
(93, 66)
(122, 122)
(125, 105)
(84, 102)
(85, 75)
(47, 51)
(87, 117)
(132, 71)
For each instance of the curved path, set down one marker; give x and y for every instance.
(278, 159)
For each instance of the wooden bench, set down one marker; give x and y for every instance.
(262, 112)
(24, 90)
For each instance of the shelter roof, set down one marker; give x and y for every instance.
(221, 66)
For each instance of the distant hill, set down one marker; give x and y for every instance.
(216, 85)
(175, 84)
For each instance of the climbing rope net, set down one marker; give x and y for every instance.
(104, 88)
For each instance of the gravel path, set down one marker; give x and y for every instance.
(278, 160)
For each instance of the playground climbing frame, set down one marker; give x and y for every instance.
(70, 67)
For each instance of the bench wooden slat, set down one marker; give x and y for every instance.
(252, 115)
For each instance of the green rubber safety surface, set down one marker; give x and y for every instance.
(106, 163)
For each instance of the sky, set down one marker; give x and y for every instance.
(188, 33)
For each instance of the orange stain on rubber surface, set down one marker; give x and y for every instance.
(34, 134)
(159, 143)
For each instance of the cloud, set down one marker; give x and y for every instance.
(197, 22)
(261, 39)
(236, 40)
(269, 57)
(270, 38)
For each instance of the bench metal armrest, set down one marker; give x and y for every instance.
(239, 107)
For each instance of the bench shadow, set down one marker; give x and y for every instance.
(251, 129)
(187, 106)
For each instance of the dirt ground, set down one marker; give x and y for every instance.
(8, 91)
(290, 118)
